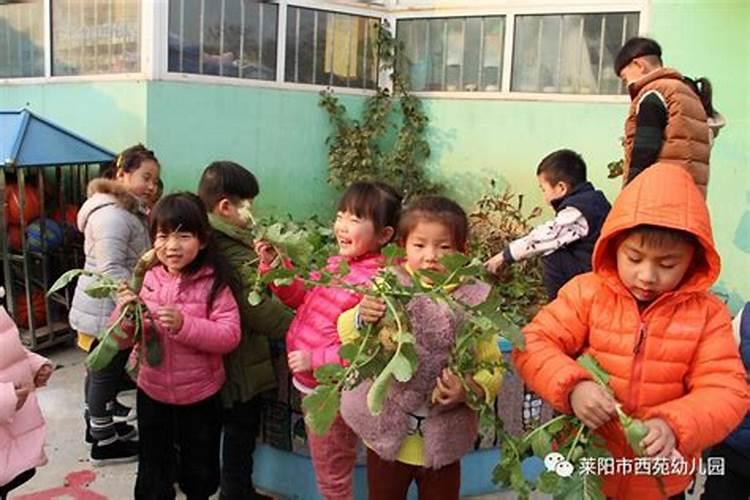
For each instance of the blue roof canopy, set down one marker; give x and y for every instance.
(28, 140)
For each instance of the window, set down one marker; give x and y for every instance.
(454, 54)
(22, 39)
(570, 54)
(330, 49)
(235, 38)
(313, 43)
(96, 36)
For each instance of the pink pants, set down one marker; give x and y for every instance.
(333, 458)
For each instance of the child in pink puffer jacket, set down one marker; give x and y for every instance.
(366, 218)
(21, 423)
(196, 323)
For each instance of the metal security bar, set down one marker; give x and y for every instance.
(42, 249)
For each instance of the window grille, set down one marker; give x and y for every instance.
(454, 54)
(570, 53)
(96, 36)
(22, 39)
(234, 38)
(327, 48)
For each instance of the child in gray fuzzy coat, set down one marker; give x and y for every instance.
(425, 427)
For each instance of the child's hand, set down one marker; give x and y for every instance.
(300, 361)
(495, 263)
(266, 253)
(22, 393)
(660, 440)
(42, 375)
(170, 318)
(449, 389)
(371, 309)
(592, 404)
(125, 295)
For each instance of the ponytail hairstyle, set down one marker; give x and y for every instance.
(702, 87)
(186, 212)
(128, 161)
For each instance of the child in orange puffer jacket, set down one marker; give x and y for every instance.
(646, 315)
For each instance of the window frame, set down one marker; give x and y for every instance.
(412, 9)
(430, 93)
(44, 59)
(147, 15)
(281, 75)
(161, 72)
(155, 49)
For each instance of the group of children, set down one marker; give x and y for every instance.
(630, 286)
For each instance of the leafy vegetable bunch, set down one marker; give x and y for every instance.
(134, 315)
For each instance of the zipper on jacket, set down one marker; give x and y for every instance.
(172, 283)
(637, 370)
(641, 336)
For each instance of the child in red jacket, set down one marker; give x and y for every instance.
(366, 219)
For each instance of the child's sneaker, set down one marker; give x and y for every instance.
(122, 413)
(124, 432)
(117, 452)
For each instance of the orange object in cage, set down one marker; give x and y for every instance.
(37, 305)
(32, 208)
(14, 237)
(68, 215)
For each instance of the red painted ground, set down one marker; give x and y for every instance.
(75, 487)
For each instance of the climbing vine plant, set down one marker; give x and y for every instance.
(388, 141)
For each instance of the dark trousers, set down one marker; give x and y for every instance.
(390, 480)
(241, 426)
(735, 483)
(178, 443)
(101, 388)
(16, 482)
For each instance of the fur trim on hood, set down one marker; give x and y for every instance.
(121, 195)
(106, 192)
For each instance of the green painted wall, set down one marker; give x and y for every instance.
(475, 140)
(111, 114)
(710, 38)
(280, 134)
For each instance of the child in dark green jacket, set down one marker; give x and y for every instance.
(228, 190)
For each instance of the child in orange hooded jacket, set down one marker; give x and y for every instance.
(647, 316)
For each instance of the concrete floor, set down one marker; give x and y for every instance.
(62, 403)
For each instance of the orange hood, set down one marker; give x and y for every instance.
(663, 195)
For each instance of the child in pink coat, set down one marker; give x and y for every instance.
(21, 422)
(196, 322)
(366, 218)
